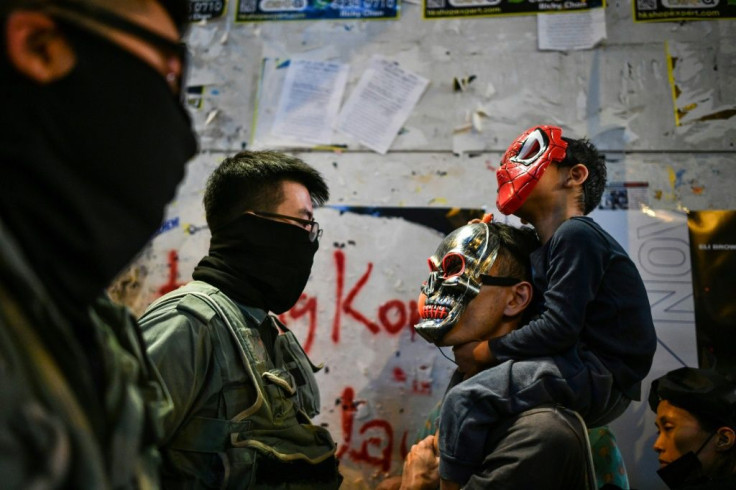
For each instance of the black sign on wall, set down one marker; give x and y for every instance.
(713, 257)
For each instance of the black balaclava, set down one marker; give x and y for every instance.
(88, 164)
(259, 262)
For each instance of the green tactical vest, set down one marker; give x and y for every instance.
(272, 443)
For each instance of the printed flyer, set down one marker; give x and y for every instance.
(264, 10)
(206, 9)
(436, 9)
(677, 10)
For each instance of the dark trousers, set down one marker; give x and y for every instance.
(577, 380)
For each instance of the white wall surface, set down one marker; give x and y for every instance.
(618, 94)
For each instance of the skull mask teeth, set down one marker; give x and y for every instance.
(454, 278)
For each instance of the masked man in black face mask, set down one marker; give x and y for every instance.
(93, 144)
(243, 388)
(696, 425)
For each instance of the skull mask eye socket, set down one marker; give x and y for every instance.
(453, 264)
(533, 147)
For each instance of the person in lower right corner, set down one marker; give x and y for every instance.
(696, 426)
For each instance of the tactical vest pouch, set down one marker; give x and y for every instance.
(295, 457)
(291, 355)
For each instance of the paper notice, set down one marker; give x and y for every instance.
(569, 31)
(380, 104)
(310, 100)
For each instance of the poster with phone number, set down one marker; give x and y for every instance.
(206, 9)
(269, 10)
(437, 9)
(678, 10)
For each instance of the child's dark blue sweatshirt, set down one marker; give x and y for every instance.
(593, 295)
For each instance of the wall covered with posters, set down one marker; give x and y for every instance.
(409, 106)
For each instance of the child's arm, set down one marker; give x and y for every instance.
(577, 260)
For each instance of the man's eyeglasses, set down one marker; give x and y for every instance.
(102, 16)
(309, 224)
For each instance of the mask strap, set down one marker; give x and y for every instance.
(445, 355)
(488, 280)
(706, 442)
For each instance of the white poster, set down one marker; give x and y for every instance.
(571, 30)
(380, 104)
(309, 101)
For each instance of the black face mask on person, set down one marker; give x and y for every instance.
(259, 262)
(687, 469)
(89, 163)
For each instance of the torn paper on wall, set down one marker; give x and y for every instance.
(310, 100)
(380, 104)
(693, 76)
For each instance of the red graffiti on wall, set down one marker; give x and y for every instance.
(306, 305)
(392, 316)
(348, 407)
(172, 283)
(376, 448)
(421, 387)
(382, 440)
(399, 374)
(347, 306)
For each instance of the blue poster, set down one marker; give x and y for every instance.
(264, 10)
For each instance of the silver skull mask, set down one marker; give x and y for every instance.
(454, 278)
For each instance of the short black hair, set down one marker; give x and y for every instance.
(251, 180)
(584, 152)
(514, 252)
(516, 246)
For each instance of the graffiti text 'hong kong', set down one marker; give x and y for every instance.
(390, 316)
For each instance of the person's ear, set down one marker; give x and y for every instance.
(36, 47)
(576, 175)
(725, 439)
(519, 298)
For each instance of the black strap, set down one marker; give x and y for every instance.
(489, 280)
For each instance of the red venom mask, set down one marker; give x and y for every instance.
(456, 275)
(524, 163)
